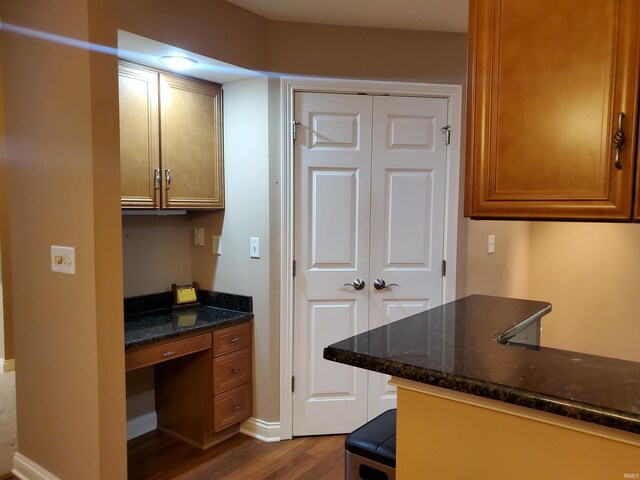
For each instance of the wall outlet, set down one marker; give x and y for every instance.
(216, 247)
(198, 236)
(63, 259)
(254, 247)
(491, 243)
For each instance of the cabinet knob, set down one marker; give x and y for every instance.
(235, 407)
(235, 339)
(168, 354)
(235, 370)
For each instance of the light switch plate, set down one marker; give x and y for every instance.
(198, 236)
(254, 247)
(216, 247)
(63, 259)
(491, 243)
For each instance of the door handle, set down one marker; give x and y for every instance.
(167, 177)
(358, 284)
(380, 284)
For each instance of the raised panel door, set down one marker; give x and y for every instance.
(333, 172)
(547, 81)
(191, 144)
(139, 137)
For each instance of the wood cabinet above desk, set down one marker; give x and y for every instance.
(171, 151)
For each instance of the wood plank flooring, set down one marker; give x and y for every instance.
(158, 456)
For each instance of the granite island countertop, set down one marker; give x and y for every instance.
(457, 346)
(149, 318)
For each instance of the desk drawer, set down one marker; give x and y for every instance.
(231, 370)
(230, 339)
(166, 351)
(232, 407)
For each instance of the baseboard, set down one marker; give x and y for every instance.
(140, 425)
(8, 365)
(25, 469)
(265, 431)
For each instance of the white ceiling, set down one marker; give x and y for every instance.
(434, 15)
(148, 52)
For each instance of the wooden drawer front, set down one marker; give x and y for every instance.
(231, 370)
(232, 407)
(166, 351)
(230, 339)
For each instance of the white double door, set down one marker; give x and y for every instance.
(369, 204)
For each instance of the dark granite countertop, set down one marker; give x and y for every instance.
(149, 318)
(455, 346)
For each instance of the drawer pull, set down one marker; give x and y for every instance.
(235, 407)
(235, 339)
(168, 354)
(235, 370)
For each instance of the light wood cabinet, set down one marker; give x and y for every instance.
(547, 82)
(170, 141)
(139, 137)
(203, 383)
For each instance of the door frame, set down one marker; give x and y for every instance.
(288, 87)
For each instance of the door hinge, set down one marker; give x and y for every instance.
(293, 384)
(444, 268)
(294, 268)
(447, 134)
(294, 126)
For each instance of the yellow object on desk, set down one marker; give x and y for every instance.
(186, 294)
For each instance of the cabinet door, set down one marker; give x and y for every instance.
(139, 137)
(547, 81)
(191, 144)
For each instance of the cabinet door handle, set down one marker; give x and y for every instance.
(235, 370)
(618, 141)
(235, 339)
(168, 354)
(235, 407)
(167, 176)
(156, 173)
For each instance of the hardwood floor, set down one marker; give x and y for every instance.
(158, 456)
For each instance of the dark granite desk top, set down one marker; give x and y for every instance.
(149, 318)
(455, 347)
(161, 325)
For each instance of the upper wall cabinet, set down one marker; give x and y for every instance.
(170, 141)
(551, 82)
(139, 137)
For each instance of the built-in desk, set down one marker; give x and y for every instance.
(202, 359)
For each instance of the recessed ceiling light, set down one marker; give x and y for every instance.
(177, 62)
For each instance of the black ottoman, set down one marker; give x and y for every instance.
(371, 449)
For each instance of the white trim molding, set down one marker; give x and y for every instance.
(265, 431)
(26, 469)
(140, 425)
(8, 365)
(288, 87)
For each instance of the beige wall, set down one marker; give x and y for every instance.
(247, 147)
(63, 190)
(155, 253)
(588, 271)
(374, 53)
(590, 274)
(504, 272)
